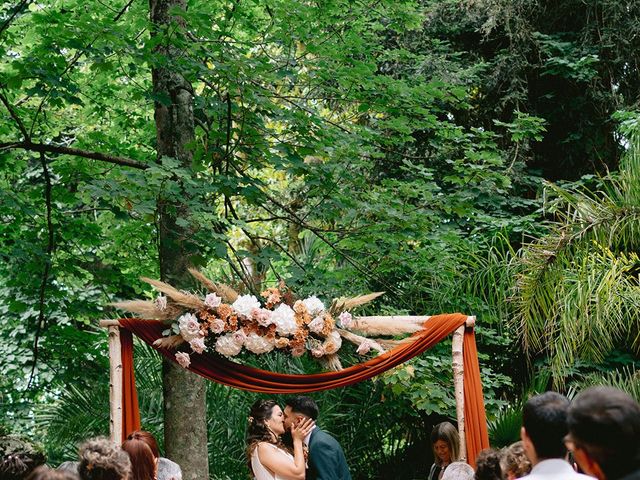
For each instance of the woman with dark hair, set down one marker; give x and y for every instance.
(145, 458)
(446, 449)
(268, 458)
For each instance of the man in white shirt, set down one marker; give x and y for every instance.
(544, 426)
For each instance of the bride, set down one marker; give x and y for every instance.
(269, 459)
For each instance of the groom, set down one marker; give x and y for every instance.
(326, 458)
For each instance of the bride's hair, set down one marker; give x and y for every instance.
(258, 431)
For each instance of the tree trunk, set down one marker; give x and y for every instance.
(185, 428)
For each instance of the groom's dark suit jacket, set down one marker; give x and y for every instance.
(326, 458)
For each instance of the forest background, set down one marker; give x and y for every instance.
(474, 156)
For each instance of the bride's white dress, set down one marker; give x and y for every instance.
(260, 472)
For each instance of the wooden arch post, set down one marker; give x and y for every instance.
(115, 381)
(458, 381)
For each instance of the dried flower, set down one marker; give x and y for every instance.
(224, 311)
(332, 343)
(281, 342)
(318, 351)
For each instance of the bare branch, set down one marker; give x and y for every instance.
(15, 117)
(47, 265)
(103, 157)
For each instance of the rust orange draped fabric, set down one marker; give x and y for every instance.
(437, 327)
(130, 406)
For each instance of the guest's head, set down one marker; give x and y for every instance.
(458, 471)
(266, 422)
(515, 463)
(544, 426)
(488, 465)
(143, 453)
(18, 458)
(46, 473)
(100, 459)
(604, 426)
(299, 407)
(445, 443)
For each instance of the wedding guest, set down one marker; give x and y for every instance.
(100, 459)
(268, 457)
(18, 458)
(544, 426)
(458, 471)
(488, 465)
(147, 464)
(446, 449)
(515, 463)
(604, 433)
(326, 457)
(46, 473)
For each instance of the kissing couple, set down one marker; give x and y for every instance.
(278, 442)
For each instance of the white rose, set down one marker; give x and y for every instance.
(227, 346)
(314, 305)
(316, 325)
(257, 344)
(285, 320)
(245, 304)
(189, 326)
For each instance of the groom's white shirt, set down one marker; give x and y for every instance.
(306, 439)
(555, 469)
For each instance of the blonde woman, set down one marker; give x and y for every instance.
(446, 449)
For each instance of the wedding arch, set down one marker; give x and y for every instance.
(211, 328)
(125, 416)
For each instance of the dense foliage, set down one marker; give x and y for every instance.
(344, 147)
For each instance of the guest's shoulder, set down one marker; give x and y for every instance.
(168, 470)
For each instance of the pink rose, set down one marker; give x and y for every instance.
(346, 320)
(212, 300)
(297, 352)
(317, 325)
(318, 351)
(262, 316)
(239, 337)
(183, 359)
(197, 345)
(364, 347)
(217, 326)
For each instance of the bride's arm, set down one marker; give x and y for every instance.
(281, 464)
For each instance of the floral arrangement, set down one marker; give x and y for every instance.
(228, 323)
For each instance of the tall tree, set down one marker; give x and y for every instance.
(184, 392)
